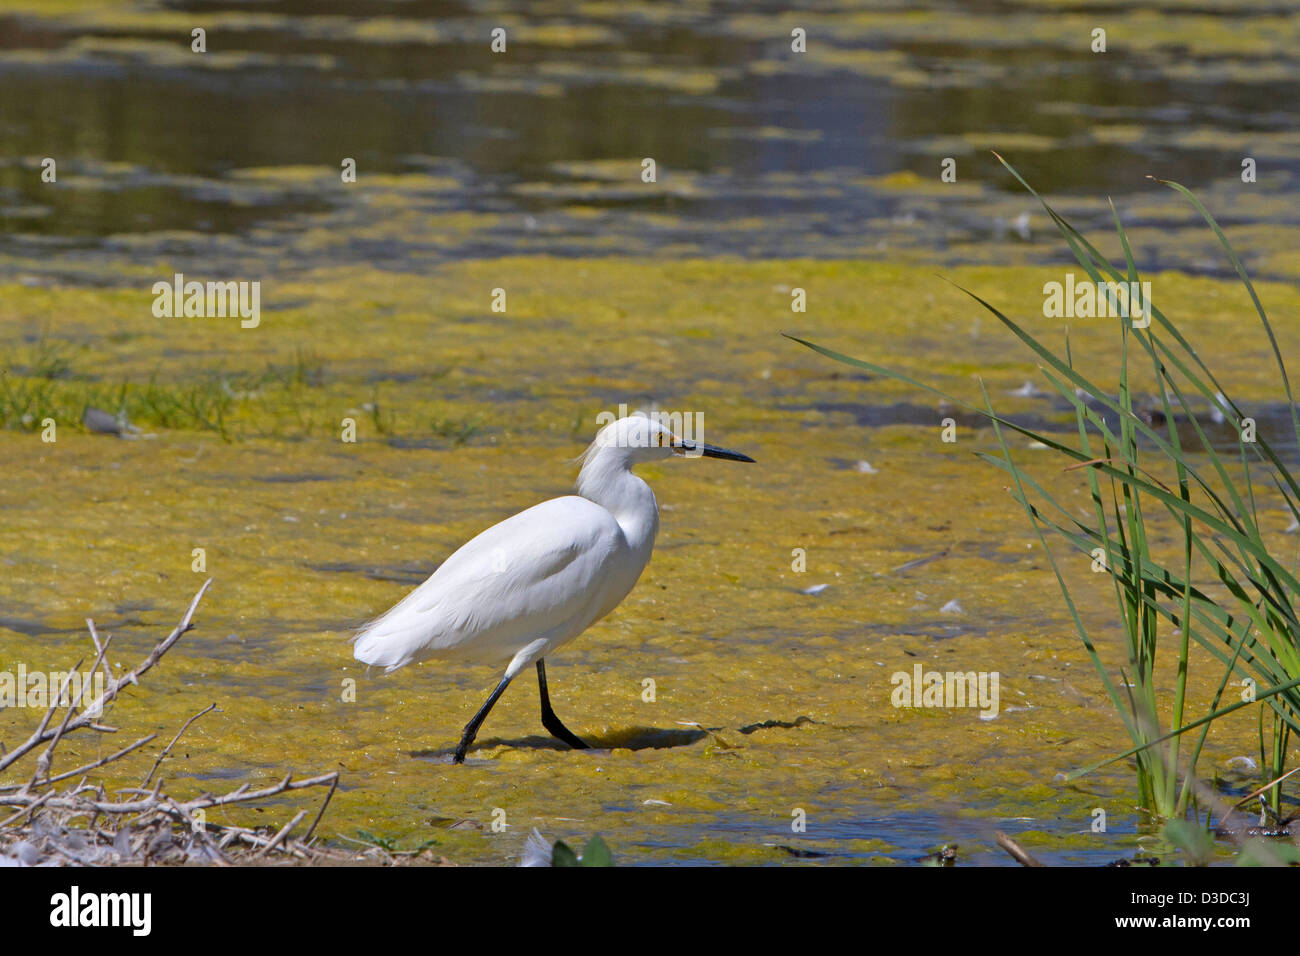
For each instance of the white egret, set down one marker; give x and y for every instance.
(540, 578)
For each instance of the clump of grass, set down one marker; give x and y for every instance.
(380, 416)
(392, 846)
(458, 431)
(306, 369)
(39, 384)
(1244, 614)
(43, 386)
(26, 402)
(205, 404)
(50, 360)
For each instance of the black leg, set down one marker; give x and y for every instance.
(471, 729)
(549, 720)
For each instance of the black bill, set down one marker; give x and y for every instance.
(696, 448)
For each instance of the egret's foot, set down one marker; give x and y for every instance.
(462, 748)
(471, 729)
(549, 720)
(562, 733)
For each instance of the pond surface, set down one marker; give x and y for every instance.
(229, 160)
(772, 675)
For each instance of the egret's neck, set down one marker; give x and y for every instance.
(607, 480)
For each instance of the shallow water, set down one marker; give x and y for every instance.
(475, 175)
(306, 536)
(229, 161)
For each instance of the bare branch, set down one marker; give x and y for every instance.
(114, 685)
(1017, 852)
(168, 749)
(85, 825)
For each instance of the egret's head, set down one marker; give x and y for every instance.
(640, 438)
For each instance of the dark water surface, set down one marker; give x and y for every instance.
(761, 152)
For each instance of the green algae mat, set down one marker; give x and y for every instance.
(434, 341)
(767, 699)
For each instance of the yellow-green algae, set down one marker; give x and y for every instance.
(93, 526)
(291, 519)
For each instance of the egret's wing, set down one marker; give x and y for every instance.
(530, 575)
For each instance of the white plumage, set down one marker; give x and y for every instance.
(544, 574)
(540, 578)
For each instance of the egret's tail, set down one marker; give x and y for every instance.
(380, 644)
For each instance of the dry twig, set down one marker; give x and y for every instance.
(139, 824)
